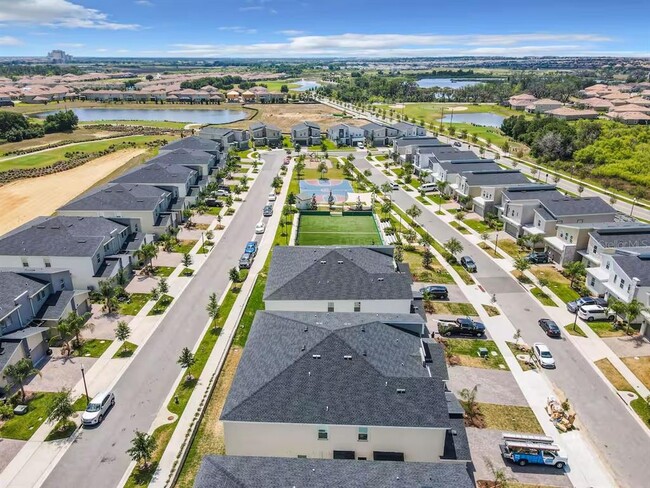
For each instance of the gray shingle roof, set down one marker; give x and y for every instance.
(280, 380)
(627, 235)
(532, 192)
(193, 142)
(578, 206)
(119, 197)
(21, 334)
(60, 236)
(456, 167)
(417, 140)
(54, 306)
(545, 214)
(406, 126)
(12, 285)
(635, 267)
(269, 472)
(184, 157)
(335, 273)
(156, 173)
(445, 154)
(7, 350)
(502, 177)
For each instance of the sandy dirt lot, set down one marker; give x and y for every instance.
(24, 200)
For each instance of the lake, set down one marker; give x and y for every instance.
(486, 119)
(171, 115)
(445, 83)
(305, 85)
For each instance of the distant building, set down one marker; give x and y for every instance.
(57, 56)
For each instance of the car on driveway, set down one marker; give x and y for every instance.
(550, 327)
(260, 228)
(97, 408)
(461, 326)
(458, 144)
(251, 248)
(221, 192)
(576, 304)
(543, 355)
(435, 292)
(538, 257)
(246, 261)
(267, 211)
(468, 263)
(595, 312)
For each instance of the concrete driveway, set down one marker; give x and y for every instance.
(59, 372)
(104, 324)
(629, 346)
(8, 450)
(494, 386)
(455, 293)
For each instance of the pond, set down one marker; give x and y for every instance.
(305, 85)
(486, 119)
(172, 115)
(446, 83)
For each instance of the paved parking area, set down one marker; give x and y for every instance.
(141, 284)
(484, 445)
(59, 371)
(8, 450)
(494, 386)
(629, 346)
(190, 234)
(172, 259)
(203, 219)
(104, 324)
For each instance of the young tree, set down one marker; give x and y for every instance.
(398, 254)
(187, 360)
(187, 259)
(122, 333)
(233, 274)
(575, 270)
(163, 286)
(522, 264)
(322, 168)
(142, 448)
(453, 246)
(155, 293)
(213, 306)
(18, 372)
(108, 292)
(470, 405)
(427, 258)
(60, 408)
(413, 211)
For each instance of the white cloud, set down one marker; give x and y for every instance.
(70, 45)
(144, 3)
(9, 41)
(101, 50)
(290, 32)
(238, 29)
(407, 45)
(57, 13)
(251, 8)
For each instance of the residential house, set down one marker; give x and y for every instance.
(520, 102)
(519, 204)
(273, 472)
(484, 187)
(192, 143)
(444, 154)
(404, 147)
(345, 134)
(144, 208)
(568, 113)
(90, 248)
(543, 105)
(338, 279)
(406, 129)
(227, 138)
(597, 104)
(342, 386)
(630, 118)
(30, 343)
(265, 134)
(380, 135)
(306, 134)
(200, 161)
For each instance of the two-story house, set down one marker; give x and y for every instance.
(265, 134)
(337, 279)
(518, 205)
(406, 129)
(201, 161)
(345, 134)
(192, 143)
(227, 138)
(445, 162)
(90, 248)
(484, 187)
(306, 134)
(380, 135)
(342, 386)
(405, 147)
(144, 208)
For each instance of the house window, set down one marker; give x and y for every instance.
(302, 456)
(25, 262)
(362, 436)
(622, 284)
(539, 223)
(322, 434)
(570, 239)
(47, 263)
(330, 306)
(595, 249)
(592, 282)
(98, 259)
(628, 288)
(607, 265)
(615, 278)
(357, 306)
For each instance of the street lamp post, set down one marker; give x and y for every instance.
(83, 376)
(496, 242)
(633, 204)
(575, 321)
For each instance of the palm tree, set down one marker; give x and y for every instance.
(108, 292)
(535, 239)
(60, 408)
(167, 241)
(213, 306)
(454, 247)
(632, 311)
(574, 271)
(18, 372)
(187, 360)
(414, 212)
(442, 187)
(142, 448)
(76, 324)
(64, 334)
(146, 254)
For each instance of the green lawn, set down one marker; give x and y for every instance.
(126, 350)
(183, 247)
(452, 308)
(161, 305)
(93, 348)
(510, 247)
(187, 272)
(135, 303)
(477, 225)
(328, 231)
(46, 158)
(330, 146)
(642, 409)
(80, 404)
(467, 351)
(436, 273)
(21, 427)
(510, 418)
(557, 283)
(423, 200)
(62, 430)
(164, 124)
(574, 330)
(542, 297)
(605, 329)
(255, 303)
(163, 271)
(459, 227)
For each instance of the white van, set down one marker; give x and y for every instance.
(272, 196)
(595, 312)
(426, 187)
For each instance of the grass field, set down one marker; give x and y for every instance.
(324, 230)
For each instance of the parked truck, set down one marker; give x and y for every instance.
(526, 449)
(461, 326)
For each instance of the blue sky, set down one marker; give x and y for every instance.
(306, 28)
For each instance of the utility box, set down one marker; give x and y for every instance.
(483, 352)
(20, 410)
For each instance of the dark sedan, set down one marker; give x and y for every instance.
(550, 327)
(435, 292)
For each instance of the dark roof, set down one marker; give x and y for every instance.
(335, 273)
(55, 305)
(12, 285)
(214, 132)
(455, 167)
(532, 192)
(305, 124)
(60, 236)
(184, 157)
(279, 379)
(374, 126)
(449, 153)
(417, 140)
(273, 472)
(406, 125)
(261, 125)
(7, 349)
(578, 206)
(635, 267)
(498, 177)
(156, 173)
(193, 142)
(21, 334)
(623, 235)
(545, 214)
(119, 196)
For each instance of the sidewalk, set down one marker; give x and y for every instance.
(180, 441)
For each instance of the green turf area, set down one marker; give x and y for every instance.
(93, 348)
(164, 124)
(325, 230)
(161, 305)
(134, 304)
(22, 427)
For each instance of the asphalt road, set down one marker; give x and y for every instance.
(616, 434)
(98, 456)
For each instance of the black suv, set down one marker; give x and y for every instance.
(538, 257)
(461, 326)
(435, 292)
(468, 263)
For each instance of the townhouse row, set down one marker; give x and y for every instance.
(340, 378)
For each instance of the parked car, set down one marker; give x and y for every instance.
(251, 248)
(550, 327)
(538, 257)
(576, 304)
(468, 263)
(221, 192)
(543, 355)
(287, 160)
(97, 408)
(461, 326)
(273, 196)
(394, 186)
(245, 261)
(595, 312)
(458, 144)
(213, 202)
(360, 145)
(438, 292)
(260, 228)
(267, 211)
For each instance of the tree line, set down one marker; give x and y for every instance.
(16, 127)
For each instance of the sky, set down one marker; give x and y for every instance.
(325, 28)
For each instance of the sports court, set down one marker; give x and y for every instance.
(331, 230)
(322, 189)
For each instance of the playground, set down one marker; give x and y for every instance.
(343, 229)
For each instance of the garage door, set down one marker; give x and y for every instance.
(388, 456)
(344, 455)
(38, 352)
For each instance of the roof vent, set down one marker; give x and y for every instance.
(323, 261)
(340, 261)
(316, 356)
(401, 391)
(302, 348)
(363, 328)
(305, 329)
(308, 373)
(380, 279)
(365, 353)
(386, 384)
(348, 357)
